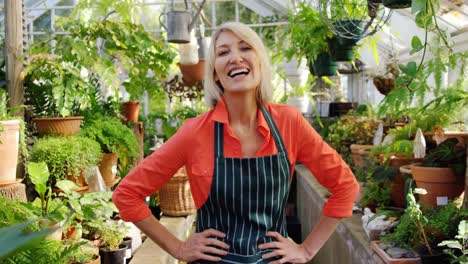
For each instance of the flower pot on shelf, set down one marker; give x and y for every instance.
(358, 154)
(384, 85)
(130, 111)
(113, 256)
(340, 108)
(375, 246)
(192, 73)
(398, 197)
(441, 184)
(9, 145)
(107, 167)
(59, 126)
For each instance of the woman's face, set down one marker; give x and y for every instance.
(236, 64)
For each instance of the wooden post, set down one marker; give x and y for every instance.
(14, 51)
(139, 132)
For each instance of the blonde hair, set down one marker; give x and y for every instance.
(213, 92)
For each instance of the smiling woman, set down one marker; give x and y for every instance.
(240, 189)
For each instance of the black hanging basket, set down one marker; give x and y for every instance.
(342, 49)
(323, 65)
(397, 4)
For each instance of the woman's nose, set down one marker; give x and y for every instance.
(236, 56)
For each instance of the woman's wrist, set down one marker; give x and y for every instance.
(309, 252)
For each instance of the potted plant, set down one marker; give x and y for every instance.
(441, 173)
(309, 34)
(56, 91)
(457, 248)
(67, 157)
(115, 140)
(113, 250)
(421, 228)
(12, 142)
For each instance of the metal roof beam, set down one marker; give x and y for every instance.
(454, 7)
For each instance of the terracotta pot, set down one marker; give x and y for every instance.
(59, 126)
(97, 260)
(398, 184)
(130, 111)
(9, 146)
(358, 154)
(108, 162)
(440, 183)
(193, 73)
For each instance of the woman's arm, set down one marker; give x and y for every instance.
(194, 248)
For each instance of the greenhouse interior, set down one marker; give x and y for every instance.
(234, 131)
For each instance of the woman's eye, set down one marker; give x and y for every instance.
(223, 52)
(245, 48)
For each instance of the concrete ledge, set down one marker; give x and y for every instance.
(349, 244)
(150, 253)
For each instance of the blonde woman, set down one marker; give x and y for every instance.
(240, 158)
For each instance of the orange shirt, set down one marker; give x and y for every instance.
(193, 146)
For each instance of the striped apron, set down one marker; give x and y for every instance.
(247, 199)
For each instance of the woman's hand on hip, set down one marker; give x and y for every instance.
(286, 250)
(198, 245)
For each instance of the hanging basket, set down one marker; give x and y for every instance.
(384, 85)
(324, 65)
(175, 196)
(397, 4)
(192, 73)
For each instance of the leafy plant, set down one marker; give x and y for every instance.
(112, 135)
(56, 88)
(447, 154)
(376, 193)
(112, 234)
(66, 156)
(14, 238)
(461, 245)
(308, 32)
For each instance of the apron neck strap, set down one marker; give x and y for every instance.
(219, 134)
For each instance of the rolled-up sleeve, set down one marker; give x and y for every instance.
(328, 168)
(150, 175)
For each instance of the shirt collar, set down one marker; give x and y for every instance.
(220, 114)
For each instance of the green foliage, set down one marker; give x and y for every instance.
(447, 154)
(398, 147)
(14, 238)
(177, 119)
(66, 156)
(112, 234)
(419, 226)
(39, 175)
(112, 135)
(56, 88)
(352, 130)
(307, 32)
(461, 245)
(377, 194)
(48, 251)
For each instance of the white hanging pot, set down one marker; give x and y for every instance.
(296, 72)
(301, 103)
